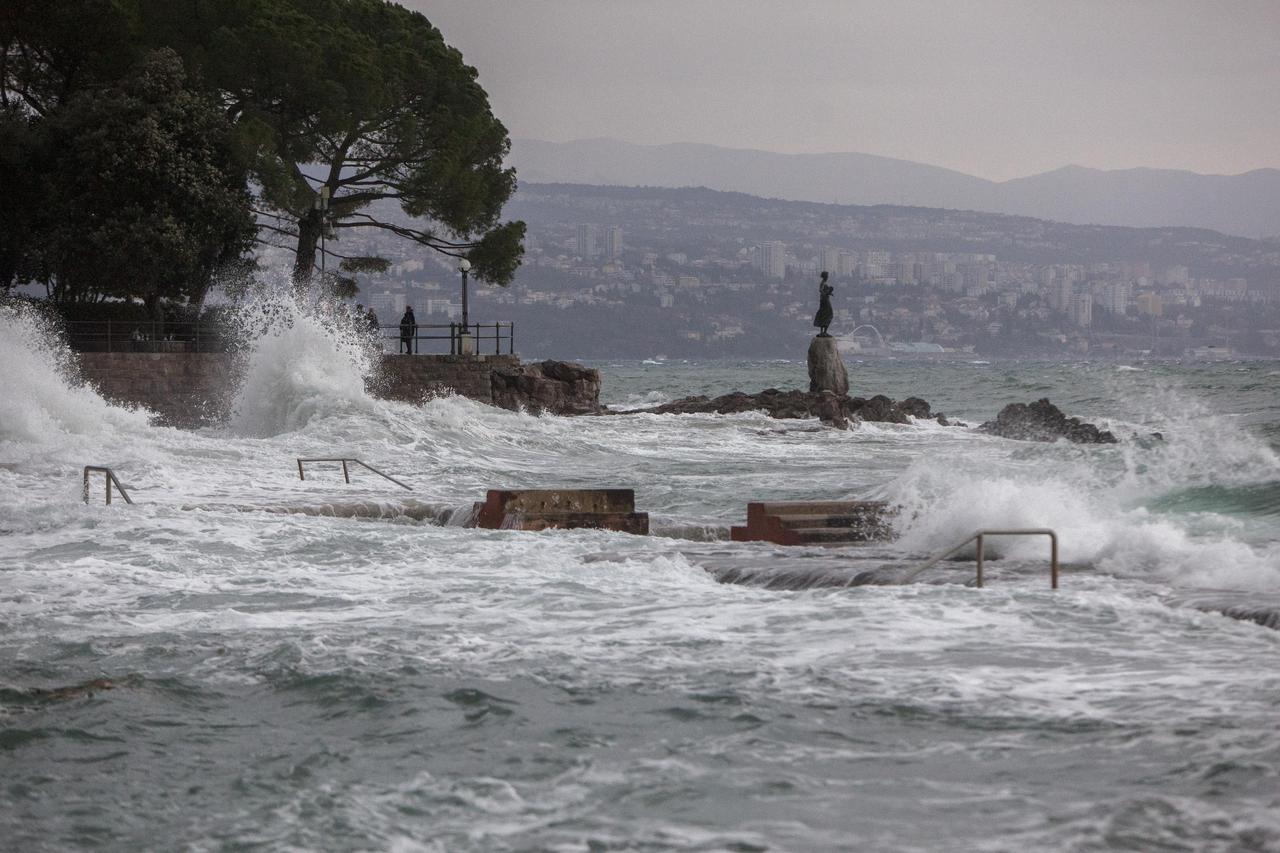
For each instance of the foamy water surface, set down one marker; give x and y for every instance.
(290, 680)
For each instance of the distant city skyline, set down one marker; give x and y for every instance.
(991, 88)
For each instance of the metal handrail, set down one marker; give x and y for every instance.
(502, 332)
(345, 474)
(111, 478)
(981, 534)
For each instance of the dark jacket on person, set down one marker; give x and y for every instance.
(408, 324)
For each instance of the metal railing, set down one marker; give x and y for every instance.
(111, 478)
(346, 475)
(981, 535)
(484, 337)
(145, 336)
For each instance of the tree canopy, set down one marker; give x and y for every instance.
(364, 98)
(148, 130)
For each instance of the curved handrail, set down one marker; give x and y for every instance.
(980, 536)
(345, 474)
(111, 478)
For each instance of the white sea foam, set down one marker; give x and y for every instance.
(304, 359)
(1095, 497)
(42, 399)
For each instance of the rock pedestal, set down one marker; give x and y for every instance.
(826, 368)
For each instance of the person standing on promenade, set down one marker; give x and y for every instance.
(823, 318)
(408, 330)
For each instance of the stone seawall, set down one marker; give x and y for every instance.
(183, 388)
(413, 378)
(193, 389)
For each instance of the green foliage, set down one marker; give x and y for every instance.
(127, 177)
(140, 194)
(361, 96)
(364, 264)
(50, 50)
(497, 255)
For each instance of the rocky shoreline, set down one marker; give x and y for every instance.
(839, 411)
(566, 388)
(1038, 421)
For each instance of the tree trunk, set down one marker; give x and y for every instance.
(305, 258)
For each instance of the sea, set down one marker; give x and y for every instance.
(241, 660)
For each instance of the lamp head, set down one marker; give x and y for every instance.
(464, 265)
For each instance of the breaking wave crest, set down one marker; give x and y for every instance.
(1171, 508)
(41, 394)
(302, 359)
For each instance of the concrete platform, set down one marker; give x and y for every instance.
(561, 509)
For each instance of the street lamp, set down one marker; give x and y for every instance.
(465, 343)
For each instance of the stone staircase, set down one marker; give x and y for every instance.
(815, 523)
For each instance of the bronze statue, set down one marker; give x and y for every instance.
(823, 318)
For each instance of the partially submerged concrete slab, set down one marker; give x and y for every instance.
(561, 509)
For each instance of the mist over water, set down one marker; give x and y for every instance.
(307, 664)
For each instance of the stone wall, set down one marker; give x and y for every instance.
(413, 378)
(183, 388)
(190, 389)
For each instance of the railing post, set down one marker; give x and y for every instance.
(979, 555)
(1053, 558)
(301, 476)
(108, 485)
(86, 485)
(345, 476)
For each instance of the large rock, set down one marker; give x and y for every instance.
(1043, 421)
(838, 410)
(553, 387)
(826, 368)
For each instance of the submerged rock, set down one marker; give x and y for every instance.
(1043, 421)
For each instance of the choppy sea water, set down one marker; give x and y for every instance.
(222, 666)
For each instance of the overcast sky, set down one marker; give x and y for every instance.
(992, 88)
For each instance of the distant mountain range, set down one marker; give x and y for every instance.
(1246, 205)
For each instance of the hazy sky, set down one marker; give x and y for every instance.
(996, 89)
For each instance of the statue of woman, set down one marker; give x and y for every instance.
(823, 318)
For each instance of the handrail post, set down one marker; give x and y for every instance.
(301, 476)
(86, 484)
(979, 556)
(1053, 558)
(345, 476)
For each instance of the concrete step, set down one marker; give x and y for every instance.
(501, 502)
(622, 522)
(780, 508)
(823, 520)
(821, 535)
(815, 522)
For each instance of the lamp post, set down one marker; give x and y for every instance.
(465, 342)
